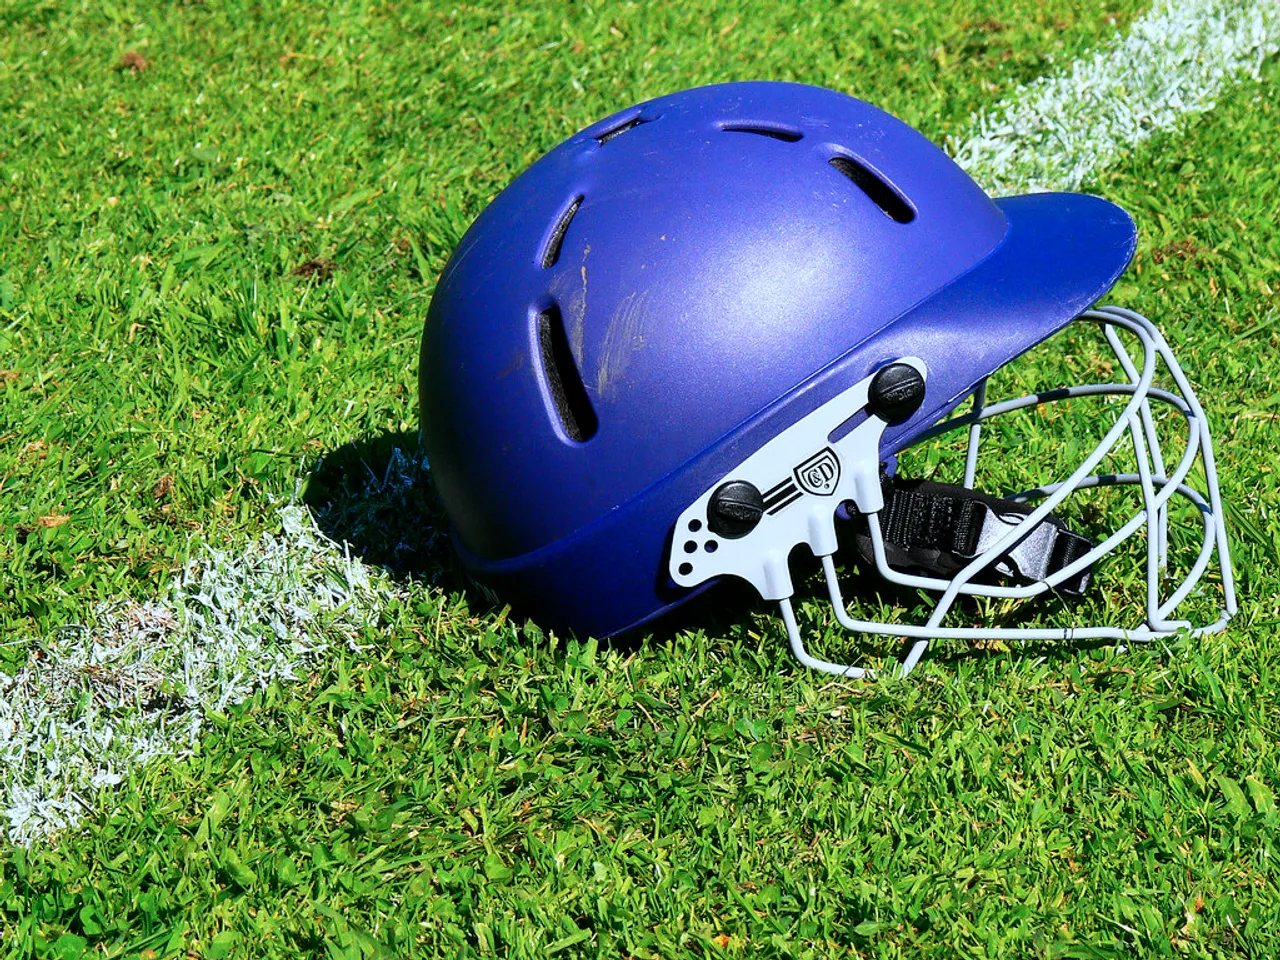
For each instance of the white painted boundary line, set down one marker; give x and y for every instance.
(97, 702)
(1059, 131)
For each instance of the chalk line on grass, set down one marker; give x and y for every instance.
(136, 684)
(1060, 130)
(98, 701)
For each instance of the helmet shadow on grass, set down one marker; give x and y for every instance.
(376, 496)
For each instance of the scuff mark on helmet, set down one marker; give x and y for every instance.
(576, 333)
(624, 336)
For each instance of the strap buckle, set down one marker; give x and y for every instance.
(938, 528)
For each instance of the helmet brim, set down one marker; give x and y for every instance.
(1061, 253)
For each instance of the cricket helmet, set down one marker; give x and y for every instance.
(699, 333)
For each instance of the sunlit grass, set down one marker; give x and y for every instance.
(215, 272)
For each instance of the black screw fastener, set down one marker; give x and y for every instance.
(735, 509)
(896, 392)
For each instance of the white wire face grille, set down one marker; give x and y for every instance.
(1146, 491)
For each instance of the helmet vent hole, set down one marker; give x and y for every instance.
(776, 132)
(551, 253)
(564, 383)
(881, 193)
(621, 128)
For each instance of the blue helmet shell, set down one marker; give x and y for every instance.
(659, 295)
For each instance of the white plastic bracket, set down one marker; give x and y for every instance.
(803, 475)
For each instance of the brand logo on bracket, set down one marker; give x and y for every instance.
(819, 474)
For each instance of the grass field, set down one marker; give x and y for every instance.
(219, 229)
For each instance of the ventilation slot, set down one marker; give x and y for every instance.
(620, 129)
(568, 395)
(881, 194)
(552, 252)
(784, 134)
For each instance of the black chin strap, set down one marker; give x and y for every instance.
(938, 528)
